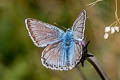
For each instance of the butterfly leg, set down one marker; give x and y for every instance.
(85, 53)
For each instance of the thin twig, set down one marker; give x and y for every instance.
(102, 73)
(116, 16)
(94, 3)
(115, 22)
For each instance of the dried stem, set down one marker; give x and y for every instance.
(94, 3)
(115, 22)
(116, 16)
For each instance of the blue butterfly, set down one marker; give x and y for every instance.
(63, 49)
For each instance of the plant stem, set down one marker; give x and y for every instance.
(102, 73)
(100, 70)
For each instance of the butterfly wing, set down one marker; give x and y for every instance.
(41, 33)
(79, 26)
(58, 57)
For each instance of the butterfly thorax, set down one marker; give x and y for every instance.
(68, 38)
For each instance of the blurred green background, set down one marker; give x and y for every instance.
(20, 58)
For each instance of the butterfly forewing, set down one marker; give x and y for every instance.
(41, 33)
(79, 26)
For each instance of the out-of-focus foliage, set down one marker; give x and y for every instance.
(20, 59)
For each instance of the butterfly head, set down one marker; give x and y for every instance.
(68, 32)
(68, 29)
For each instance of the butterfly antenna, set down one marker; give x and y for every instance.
(60, 26)
(64, 27)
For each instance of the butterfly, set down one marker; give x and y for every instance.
(63, 50)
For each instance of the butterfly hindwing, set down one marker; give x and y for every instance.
(41, 33)
(79, 26)
(57, 57)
